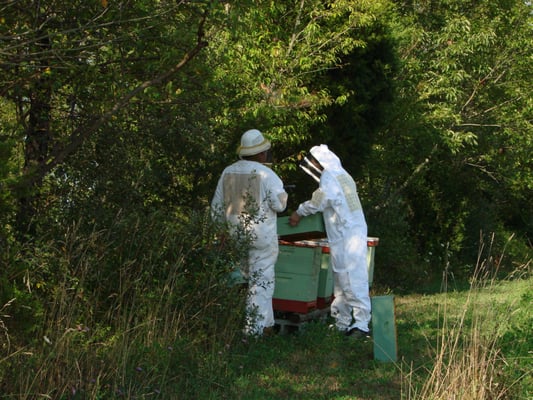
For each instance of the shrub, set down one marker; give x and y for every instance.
(126, 310)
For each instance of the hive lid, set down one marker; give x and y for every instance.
(310, 227)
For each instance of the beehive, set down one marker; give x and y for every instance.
(297, 276)
(302, 269)
(304, 278)
(310, 227)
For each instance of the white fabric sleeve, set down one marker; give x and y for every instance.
(277, 197)
(217, 203)
(316, 204)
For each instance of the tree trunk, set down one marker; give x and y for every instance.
(37, 141)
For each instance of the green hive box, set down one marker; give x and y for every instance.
(297, 278)
(310, 227)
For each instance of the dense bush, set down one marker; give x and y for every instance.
(94, 309)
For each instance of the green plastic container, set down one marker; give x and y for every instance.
(384, 328)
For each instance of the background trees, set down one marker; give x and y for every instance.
(460, 75)
(117, 118)
(135, 107)
(75, 76)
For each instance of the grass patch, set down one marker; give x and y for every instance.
(468, 351)
(459, 345)
(171, 329)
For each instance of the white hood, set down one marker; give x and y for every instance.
(326, 157)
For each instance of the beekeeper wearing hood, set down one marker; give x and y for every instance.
(249, 195)
(337, 198)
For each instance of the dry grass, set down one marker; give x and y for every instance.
(468, 363)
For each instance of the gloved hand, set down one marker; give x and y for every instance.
(294, 219)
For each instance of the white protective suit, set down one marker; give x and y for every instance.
(250, 188)
(346, 230)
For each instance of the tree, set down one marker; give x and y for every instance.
(463, 112)
(70, 68)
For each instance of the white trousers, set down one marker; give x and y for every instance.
(261, 280)
(351, 307)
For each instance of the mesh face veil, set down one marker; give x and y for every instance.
(312, 167)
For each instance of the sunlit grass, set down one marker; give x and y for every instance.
(185, 342)
(465, 347)
(449, 348)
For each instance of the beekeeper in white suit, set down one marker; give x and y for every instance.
(337, 198)
(249, 195)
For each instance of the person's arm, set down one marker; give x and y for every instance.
(309, 207)
(277, 196)
(217, 203)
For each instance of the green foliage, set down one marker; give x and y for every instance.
(465, 339)
(78, 66)
(428, 105)
(459, 93)
(8, 174)
(171, 327)
(117, 120)
(516, 342)
(275, 54)
(363, 88)
(141, 288)
(397, 262)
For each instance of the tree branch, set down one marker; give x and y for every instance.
(406, 183)
(80, 134)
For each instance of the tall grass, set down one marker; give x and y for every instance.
(135, 310)
(468, 362)
(144, 310)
